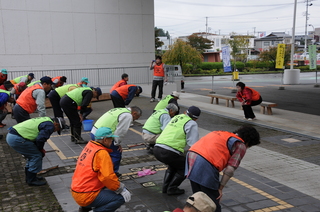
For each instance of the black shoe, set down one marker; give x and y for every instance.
(1, 136)
(118, 174)
(32, 179)
(81, 141)
(77, 136)
(173, 185)
(38, 177)
(83, 209)
(166, 180)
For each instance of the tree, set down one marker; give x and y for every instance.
(200, 43)
(182, 53)
(239, 47)
(270, 55)
(158, 42)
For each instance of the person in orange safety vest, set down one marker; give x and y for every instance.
(94, 183)
(159, 76)
(123, 81)
(122, 96)
(58, 81)
(215, 152)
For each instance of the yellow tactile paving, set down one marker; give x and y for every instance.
(282, 204)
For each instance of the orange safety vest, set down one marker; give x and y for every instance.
(123, 91)
(255, 94)
(117, 85)
(85, 179)
(158, 70)
(59, 84)
(214, 148)
(26, 101)
(16, 88)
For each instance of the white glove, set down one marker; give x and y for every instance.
(126, 195)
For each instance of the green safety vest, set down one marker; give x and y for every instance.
(29, 129)
(163, 103)
(76, 94)
(153, 124)
(174, 135)
(17, 80)
(64, 89)
(4, 91)
(111, 118)
(33, 83)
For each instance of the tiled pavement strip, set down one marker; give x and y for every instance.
(266, 181)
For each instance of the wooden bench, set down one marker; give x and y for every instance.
(267, 105)
(227, 98)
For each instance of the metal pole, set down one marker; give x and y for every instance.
(305, 30)
(212, 85)
(293, 33)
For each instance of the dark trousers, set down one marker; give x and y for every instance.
(70, 109)
(155, 84)
(55, 102)
(213, 194)
(20, 114)
(86, 112)
(175, 162)
(117, 102)
(247, 109)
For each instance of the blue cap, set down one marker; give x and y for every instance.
(85, 79)
(4, 71)
(104, 132)
(31, 75)
(194, 112)
(46, 79)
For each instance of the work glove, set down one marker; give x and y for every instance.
(43, 152)
(126, 195)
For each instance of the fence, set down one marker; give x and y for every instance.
(97, 76)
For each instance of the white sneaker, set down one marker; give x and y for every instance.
(159, 99)
(249, 119)
(152, 100)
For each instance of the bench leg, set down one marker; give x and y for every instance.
(217, 100)
(269, 110)
(212, 100)
(227, 103)
(232, 103)
(262, 110)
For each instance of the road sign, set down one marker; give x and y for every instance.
(226, 59)
(312, 56)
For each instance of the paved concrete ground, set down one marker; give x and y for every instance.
(279, 175)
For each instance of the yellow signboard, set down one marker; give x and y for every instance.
(280, 56)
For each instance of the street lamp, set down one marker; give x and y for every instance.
(313, 40)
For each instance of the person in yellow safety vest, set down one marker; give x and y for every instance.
(216, 152)
(69, 103)
(156, 123)
(118, 120)
(26, 79)
(172, 98)
(94, 183)
(28, 138)
(56, 95)
(181, 131)
(32, 99)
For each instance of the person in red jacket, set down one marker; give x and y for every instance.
(123, 81)
(248, 98)
(94, 183)
(122, 96)
(218, 151)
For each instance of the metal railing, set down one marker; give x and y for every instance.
(96, 76)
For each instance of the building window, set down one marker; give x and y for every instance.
(266, 43)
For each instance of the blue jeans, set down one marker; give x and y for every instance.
(28, 149)
(106, 201)
(115, 155)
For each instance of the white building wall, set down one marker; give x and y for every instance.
(59, 34)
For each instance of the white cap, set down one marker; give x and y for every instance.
(176, 94)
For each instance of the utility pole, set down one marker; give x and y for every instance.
(206, 27)
(306, 30)
(254, 31)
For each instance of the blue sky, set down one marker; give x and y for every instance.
(184, 17)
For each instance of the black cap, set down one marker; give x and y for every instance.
(140, 90)
(194, 112)
(46, 79)
(31, 75)
(61, 123)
